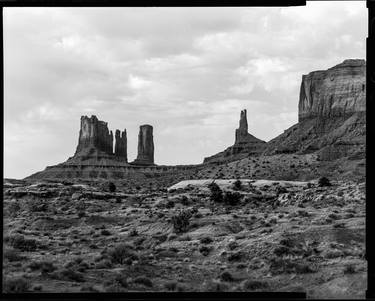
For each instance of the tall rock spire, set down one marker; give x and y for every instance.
(121, 145)
(145, 146)
(242, 131)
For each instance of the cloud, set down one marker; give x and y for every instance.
(187, 71)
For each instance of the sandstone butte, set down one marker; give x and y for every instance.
(331, 124)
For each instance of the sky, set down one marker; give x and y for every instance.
(186, 71)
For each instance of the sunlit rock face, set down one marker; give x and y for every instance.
(336, 92)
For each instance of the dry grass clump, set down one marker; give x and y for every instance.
(123, 253)
(16, 285)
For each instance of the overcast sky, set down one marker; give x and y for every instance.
(186, 71)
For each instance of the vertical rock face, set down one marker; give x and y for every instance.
(121, 145)
(94, 134)
(336, 92)
(145, 146)
(331, 114)
(242, 131)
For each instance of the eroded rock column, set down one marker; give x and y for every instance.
(121, 145)
(145, 146)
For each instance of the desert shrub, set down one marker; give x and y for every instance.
(250, 285)
(81, 214)
(121, 279)
(144, 281)
(216, 193)
(284, 265)
(37, 205)
(13, 209)
(232, 245)
(333, 216)
(204, 250)
(16, 285)
(104, 264)
(44, 266)
(235, 256)
(184, 200)
(105, 232)
(12, 255)
(133, 232)
(18, 241)
(349, 269)
(215, 286)
(181, 221)
(170, 204)
(226, 276)
(111, 187)
(232, 198)
(206, 240)
(68, 275)
(237, 185)
(123, 253)
(171, 285)
(323, 182)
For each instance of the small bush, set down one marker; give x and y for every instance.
(81, 214)
(133, 232)
(237, 185)
(105, 232)
(184, 200)
(170, 204)
(44, 266)
(181, 221)
(121, 279)
(12, 255)
(171, 285)
(251, 285)
(123, 253)
(216, 192)
(227, 277)
(144, 281)
(37, 205)
(349, 269)
(324, 182)
(69, 275)
(232, 198)
(111, 187)
(13, 209)
(206, 240)
(16, 285)
(204, 250)
(18, 241)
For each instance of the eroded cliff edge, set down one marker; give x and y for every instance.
(331, 114)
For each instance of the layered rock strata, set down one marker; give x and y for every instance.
(245, 144)
(145, 146)
(331, 113)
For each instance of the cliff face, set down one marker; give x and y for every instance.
(332, 111)
(121, 145)
(145, 146)
(336, 92)
(94, 134)
(245, 144)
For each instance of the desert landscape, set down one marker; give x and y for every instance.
(283, 215)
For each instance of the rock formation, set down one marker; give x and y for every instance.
(245, 144)
(331, 114)
(336, 92)
(121, 145)
(145, 146)
(94, 134)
